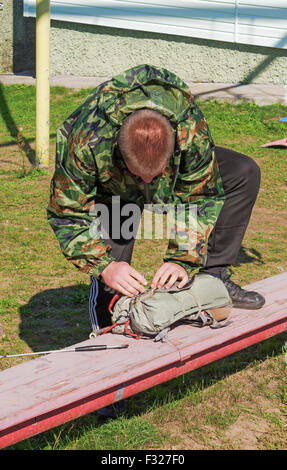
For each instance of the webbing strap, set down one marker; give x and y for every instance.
(94, 290)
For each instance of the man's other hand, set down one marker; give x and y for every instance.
(120, 276)
(168, 274)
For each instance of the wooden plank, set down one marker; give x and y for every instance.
(45, 392)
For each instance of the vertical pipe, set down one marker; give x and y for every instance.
(42, 82)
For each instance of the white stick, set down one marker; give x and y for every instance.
(93, 347)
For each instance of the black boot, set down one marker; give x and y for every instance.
(240, 298)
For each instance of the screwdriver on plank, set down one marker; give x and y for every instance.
(94, 347)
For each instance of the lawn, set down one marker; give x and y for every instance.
(236, 403)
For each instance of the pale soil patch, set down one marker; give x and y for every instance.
(242, 412)
(263, 217)
(246, 432)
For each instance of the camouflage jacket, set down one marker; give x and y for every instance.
(88, 170)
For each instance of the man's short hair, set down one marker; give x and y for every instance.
(146, 141)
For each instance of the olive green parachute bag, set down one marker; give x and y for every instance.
(203, 301)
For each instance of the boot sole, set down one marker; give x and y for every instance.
(248, 306)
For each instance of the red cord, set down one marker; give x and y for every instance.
(129, 332)
(116, 324)
(104, 331)
(115, 297)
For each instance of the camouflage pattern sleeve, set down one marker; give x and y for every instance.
(198, 193)
(88, 171)
(72, 197)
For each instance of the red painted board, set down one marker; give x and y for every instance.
(45, 392)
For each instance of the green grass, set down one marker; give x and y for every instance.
(236, 402)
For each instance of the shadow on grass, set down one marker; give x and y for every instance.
(56, 318)
(14, 131)
(248, 255)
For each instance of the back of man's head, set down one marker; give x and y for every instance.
(146, 142)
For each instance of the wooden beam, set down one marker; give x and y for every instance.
(42, 393)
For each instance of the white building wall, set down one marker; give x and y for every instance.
(254, 22)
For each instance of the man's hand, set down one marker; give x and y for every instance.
(120, 276)
(167, 274)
